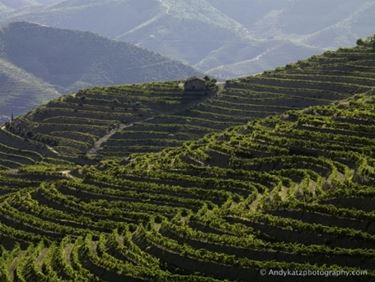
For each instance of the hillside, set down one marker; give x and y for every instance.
(281, 178)
(38, 63)
(21, 91)
(256, 196)
(73, 123)
(187, 31)
(283, 18)
(304, 84)
(357, 25)
(17, 4)
(139, 118)
(219, 37)
(22, 4)
(3, 8)
(71, 60)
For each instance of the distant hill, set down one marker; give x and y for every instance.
(16, 4)
(283, 18)
(220, 37)
(72, 60)
(38, 62)
(357, 24)
(190, 31)
(277, 52)
(20, 91)
(186, 30)
(20, 4)
(48, 2)
(3, 7)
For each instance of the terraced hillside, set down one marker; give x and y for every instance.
(316, 81)
(292, 191)
(73, 124)
(16, 151)
(148, 118)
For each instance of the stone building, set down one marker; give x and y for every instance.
(195, 84)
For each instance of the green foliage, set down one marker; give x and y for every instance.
(289, 191)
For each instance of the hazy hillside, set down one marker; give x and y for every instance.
(360, 23)
(188, 31)
(284, 18)
(21, 4)
(3, 8)
(72, 60)
(220, 37)
(266, 55)
(37, 62)
(16, 4)
(48, 2)
(21, 91)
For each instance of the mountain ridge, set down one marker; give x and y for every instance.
(21, 91)
(70, 60)
(177, 28)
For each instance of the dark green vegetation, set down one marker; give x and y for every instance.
(291, 190)
(72, 124)
(38, 62)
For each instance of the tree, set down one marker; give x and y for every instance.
(360, 42)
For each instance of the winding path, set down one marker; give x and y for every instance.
(93, 152)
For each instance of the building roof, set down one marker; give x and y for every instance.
(195, 78)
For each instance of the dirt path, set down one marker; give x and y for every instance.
(53, 150)
(93, 152)
(221, 87)
(3, 128)
(67, 173)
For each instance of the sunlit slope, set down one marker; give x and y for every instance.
(292, 191)
(73, 124)
(316, 81)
